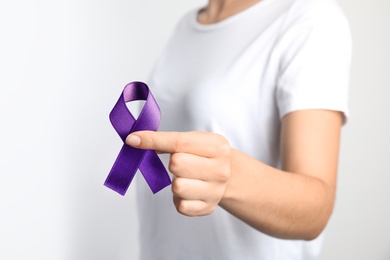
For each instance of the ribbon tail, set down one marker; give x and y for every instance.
(154, 172)
(124, 169)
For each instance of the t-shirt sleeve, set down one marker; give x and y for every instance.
(315, 55)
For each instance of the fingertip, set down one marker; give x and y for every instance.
(133, 140)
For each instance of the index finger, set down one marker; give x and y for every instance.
(199, 143)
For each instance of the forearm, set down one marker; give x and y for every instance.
(278, 203)
(294, 204)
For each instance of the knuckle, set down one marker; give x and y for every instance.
(178, 187)
(224, 149)
(181, 142)
(149, 141)
(210, 209)
(174, 162)
(223, 174)
(188, 209)
(191, 208)
(182, 207)
(206, 210)
(221, 147)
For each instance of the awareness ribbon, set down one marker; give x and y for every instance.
(130, 159)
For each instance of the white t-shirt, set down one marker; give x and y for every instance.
(238, 78)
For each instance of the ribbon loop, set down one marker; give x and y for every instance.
(130, 159)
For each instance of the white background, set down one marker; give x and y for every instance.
(62, 67)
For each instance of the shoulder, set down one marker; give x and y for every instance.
(314, 50)
(327, 12)
(316, 6)
(322, 21)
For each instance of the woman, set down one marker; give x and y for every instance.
(253, 95)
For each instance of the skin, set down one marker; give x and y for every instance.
(293, 203)
(218, 10)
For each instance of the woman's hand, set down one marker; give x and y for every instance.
(200, 163)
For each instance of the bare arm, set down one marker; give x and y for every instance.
(297, 202)
(293, 203)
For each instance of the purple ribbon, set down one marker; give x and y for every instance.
(130, 159)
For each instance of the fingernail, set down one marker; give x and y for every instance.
(133, 140)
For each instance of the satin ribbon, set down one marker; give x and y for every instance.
(130, 159)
